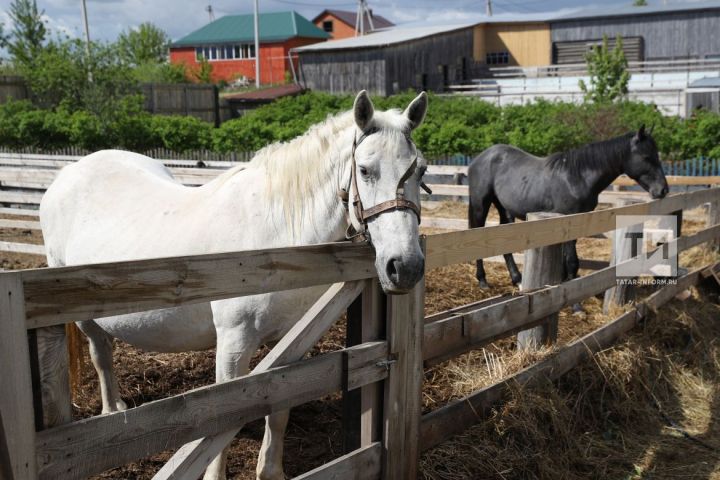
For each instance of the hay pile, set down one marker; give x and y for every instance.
(646, 408)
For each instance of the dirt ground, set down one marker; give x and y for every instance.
(624, 415)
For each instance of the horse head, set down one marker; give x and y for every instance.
(643, 165)
(384, 185)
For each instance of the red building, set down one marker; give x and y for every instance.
(228, 44)
(341, 24)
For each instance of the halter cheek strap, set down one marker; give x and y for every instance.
(357, 230)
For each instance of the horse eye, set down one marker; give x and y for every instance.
(363, 171)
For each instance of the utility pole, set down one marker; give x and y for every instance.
(211, 14)
(257, 47)
(87, 39)
(488, 8)
(362, 11)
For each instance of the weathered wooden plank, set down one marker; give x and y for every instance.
(62, 295)
(403, 405)
(447, 189)
(6, 472)
(472, 328)
(191, 459)
(29, 175)
(713, 218)
(457, 247)
(361, 464)
(623, 243)
(52, 355)
(543, 266)
(22, 248)
(19, 224)
(20, 197)
(444, 223)
(16, 401)
(20, 211)
(361, 409)
(373, 319)
(92, 445)
(626, 181)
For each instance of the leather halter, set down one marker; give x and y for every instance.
(362, 214)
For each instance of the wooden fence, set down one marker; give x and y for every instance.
(24, 177)
(380, 376)
(13, 87)
(196, 100)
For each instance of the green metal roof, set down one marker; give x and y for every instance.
(274, 27)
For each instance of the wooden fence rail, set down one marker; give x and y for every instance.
(384, 369)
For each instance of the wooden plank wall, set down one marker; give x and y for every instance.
(199, 101)
(13, 87)
(344, 71)
(666, 36)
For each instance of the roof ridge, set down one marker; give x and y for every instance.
(294, 22)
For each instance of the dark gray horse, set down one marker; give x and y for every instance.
(567, 182)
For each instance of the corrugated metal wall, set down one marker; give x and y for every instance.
(574, 52)
(668, 36)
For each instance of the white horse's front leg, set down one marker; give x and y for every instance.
(234, 351)
(270, 466)
(101, 348)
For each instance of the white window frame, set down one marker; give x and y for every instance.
(219, 53)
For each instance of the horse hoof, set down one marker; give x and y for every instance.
(483, 284)
(517, 280)
(578, 309)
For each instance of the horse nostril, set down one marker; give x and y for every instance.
(392, 270)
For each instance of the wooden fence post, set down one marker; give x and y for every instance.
(623, 243)
(403, 395)
(362, 407)
(542, 266)
(53, 382)
(16, 399)
(458, 180)
(713, 218)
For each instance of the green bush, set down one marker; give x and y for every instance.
(182, 133)
(454, 125)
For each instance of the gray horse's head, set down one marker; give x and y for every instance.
(387, 162)
(643, 165)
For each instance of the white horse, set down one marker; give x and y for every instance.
(114, 205)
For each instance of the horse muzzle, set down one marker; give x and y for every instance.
(400, 273)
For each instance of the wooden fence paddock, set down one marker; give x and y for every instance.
(380, 375)
(24, 177)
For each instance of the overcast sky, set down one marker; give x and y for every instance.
(179, 17)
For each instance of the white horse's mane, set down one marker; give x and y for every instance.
(303, 169)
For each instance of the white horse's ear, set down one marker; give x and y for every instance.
(415, 112)
(363, 110)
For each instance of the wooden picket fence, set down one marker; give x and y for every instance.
(380, 376)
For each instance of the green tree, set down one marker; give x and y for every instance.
(203, 73)
(59, 77)
(640, 3)
(146, 44)
(608, 72)
(151, 72)
(28, 35)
